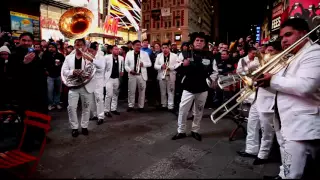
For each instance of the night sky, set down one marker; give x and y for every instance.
(236, 16)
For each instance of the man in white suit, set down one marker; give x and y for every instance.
(297, 101)
(261, 117)
(73, 66)
(136, 64)
(166, 61)
(114, 70)
(97, 106)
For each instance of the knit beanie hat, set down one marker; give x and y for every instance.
(5, 49)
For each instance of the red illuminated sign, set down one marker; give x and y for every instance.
(277, 11)
(111, 25)
(306, 9)
(49, 23)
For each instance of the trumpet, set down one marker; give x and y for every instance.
(164, 72)
(273, 66)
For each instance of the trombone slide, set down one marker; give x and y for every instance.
(247, 92)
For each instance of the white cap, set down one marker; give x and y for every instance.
(5, 49)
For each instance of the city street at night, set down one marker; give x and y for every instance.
(135, 145)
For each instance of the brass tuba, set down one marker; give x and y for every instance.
(76, 23)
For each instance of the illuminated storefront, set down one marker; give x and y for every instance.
(101, 31)
(49, 22)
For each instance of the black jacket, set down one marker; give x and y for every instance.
(50, 64)
(197, 72)
(30, 81)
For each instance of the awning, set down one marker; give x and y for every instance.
(104, 36)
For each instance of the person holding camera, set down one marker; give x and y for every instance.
(53, 63)
(30, 85)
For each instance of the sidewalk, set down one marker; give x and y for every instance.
(135, 145)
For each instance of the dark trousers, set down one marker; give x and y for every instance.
(153, 92)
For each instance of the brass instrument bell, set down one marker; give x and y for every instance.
(76, 22)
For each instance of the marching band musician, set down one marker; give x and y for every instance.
(260, 115)
(114, 70)
(165, 64)
(97, 106)
(73, 66)
(136, 64)
(200, 73)
(297, 102)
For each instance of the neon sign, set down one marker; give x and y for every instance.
(111, 24)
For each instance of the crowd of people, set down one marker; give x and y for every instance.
(47, 75)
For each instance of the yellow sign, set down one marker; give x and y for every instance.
(12, 13)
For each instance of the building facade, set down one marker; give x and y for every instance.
(173, 20)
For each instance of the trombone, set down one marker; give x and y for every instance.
(273, 66)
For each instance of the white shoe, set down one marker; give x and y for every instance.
(50, 107)
(59, 106)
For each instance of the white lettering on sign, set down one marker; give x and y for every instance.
(276, 23)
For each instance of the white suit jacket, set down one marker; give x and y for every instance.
(98, 77)
(298, 98)
(248, 65)
(109, 66)
(144, 58)
(68, 67)
(173, 60)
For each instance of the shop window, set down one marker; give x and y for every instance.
(158, 25)
(169, 24)
(178, 24)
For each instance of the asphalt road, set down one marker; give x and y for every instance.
(139, 145)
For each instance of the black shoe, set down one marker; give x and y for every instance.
(197, 136)
(179, 136)
(100, 121)
(85, 131)
(48, 140)
(244, 154)
(75, 133)
(272, 177)
(190, 118)
(130, 109)
(163, 108)
(115, 112)
(259, 161)
(108, 114)
(94, 118)
(141, 110)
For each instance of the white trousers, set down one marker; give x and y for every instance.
(133, 82)
(97, 106)
(112, 93)
(186, 102)
(294, 155)
(257, 120)
(167, 87)
(73, 99)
